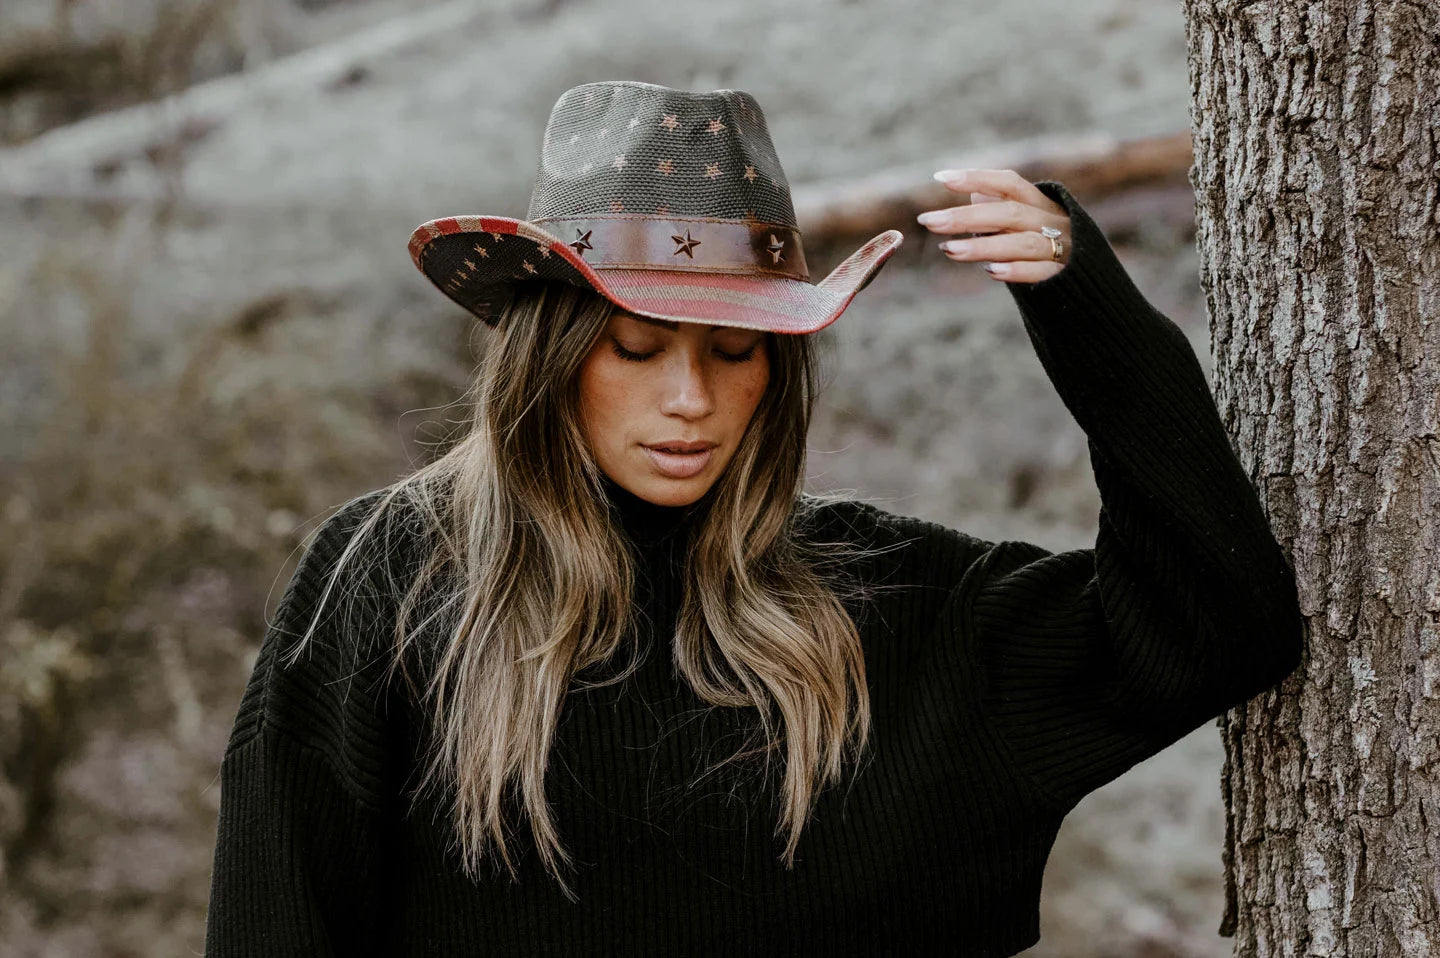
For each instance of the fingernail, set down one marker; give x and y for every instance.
(928, 219)
(956, 246)
(950, 176)
(997, 269)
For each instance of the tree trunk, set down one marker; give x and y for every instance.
(1315, 129)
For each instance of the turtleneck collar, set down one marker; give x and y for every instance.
(643, 520)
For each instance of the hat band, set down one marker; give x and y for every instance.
(682, 243)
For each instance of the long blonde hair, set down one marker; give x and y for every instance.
(525, 551)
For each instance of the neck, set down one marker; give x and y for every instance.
(643, 520)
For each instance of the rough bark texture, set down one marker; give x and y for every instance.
(1315, 131)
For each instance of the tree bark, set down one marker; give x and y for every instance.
(1315, 128)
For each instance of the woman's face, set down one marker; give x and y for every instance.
(648, 384)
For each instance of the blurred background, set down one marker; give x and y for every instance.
(213, 335)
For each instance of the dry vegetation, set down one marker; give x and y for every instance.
(147, 507)
(75, 61)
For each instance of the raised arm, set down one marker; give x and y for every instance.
(1095, 659)
(297, 853)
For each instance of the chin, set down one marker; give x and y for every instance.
(663, 491)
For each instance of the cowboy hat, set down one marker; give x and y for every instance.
(671, 204)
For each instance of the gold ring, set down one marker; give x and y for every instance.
(1052, 234)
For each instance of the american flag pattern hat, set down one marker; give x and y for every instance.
(669, 203)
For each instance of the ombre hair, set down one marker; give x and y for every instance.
(535, 584)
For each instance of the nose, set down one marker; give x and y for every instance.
(687, 388)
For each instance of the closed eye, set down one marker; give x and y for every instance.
(626, 354)
(635, 357)
(736, 357)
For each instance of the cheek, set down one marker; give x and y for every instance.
(749, 388)
(605, 394)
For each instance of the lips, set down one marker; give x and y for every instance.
(680, 459)
(696, 445)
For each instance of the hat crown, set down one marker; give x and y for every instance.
(621, 147)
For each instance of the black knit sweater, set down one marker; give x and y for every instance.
(1006, 683)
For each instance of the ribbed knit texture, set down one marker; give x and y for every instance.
(1006, 683)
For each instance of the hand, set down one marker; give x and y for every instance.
(1004, 218)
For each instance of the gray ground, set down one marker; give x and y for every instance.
(199, 373)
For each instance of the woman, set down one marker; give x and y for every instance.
(604, 679)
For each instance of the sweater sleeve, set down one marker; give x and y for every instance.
(298, 845)
(1095, 659)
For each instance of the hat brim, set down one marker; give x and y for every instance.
(472, 258)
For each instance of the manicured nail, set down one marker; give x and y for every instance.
(930, 219)
(997, 269)
(951, 176)
(956, 246)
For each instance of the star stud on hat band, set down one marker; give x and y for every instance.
(687, 245)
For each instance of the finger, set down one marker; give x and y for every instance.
(1024, 245)
(1006, 184)
(984, 198)
(991, 217)
(1023, 271)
